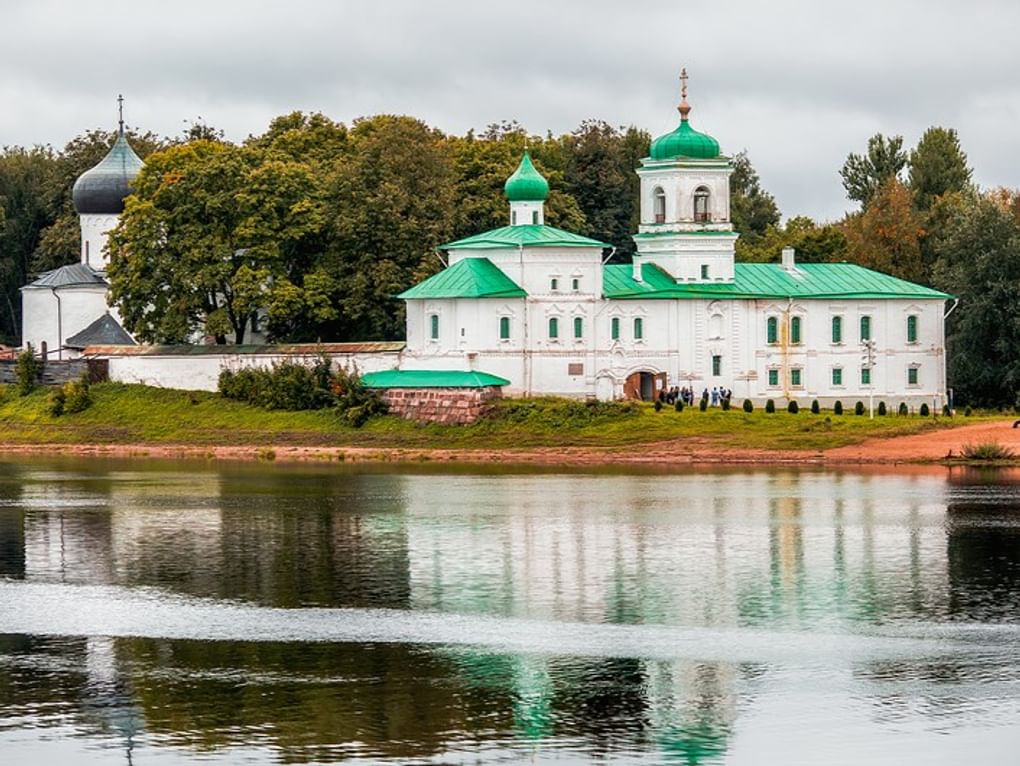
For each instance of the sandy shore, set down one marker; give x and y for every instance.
(928, 447)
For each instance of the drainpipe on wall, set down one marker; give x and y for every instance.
(525, 339)
(942, 366)
(60, 332)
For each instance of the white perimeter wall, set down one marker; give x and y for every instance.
(201, 372)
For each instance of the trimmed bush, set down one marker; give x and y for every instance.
(658, 405)
(679, 405)
(925, 411)
(904, 410)
(27, 370)
(859, 408)
(815, 409)
(946, 412)
(837, 408)
(703, 404)
(770, 406)
(967, 412)
(748, 406)
(725, 403)
(792, 407)
(881, 409)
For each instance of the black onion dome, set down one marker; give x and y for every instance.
(102, 189)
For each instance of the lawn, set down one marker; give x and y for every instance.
(132, 414)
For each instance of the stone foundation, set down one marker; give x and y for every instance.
(451, 406)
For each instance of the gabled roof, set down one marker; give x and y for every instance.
(66, 276)
(431, 379)
(468, 278)
(105, 331)
(767, 280)
(529, 235)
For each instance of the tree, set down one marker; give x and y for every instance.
(752, 209)
(206, 240)
(979, 261)
(886, 236)
(863, 175)
(814, 243)
(937, 166)
(391, 205)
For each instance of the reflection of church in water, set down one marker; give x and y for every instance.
(749, 549)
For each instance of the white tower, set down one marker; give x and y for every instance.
(99, 194)
(685, 205)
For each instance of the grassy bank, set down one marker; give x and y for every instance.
(123, 414)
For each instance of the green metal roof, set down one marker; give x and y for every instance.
(468, 278)
(767, 280)
(530, 235)
(685, 141)
(526, 184)
(431, 379)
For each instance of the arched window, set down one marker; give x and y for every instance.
(912, 328)
(504, 328)
(554, 328)
(614, 328)
(434, 326)
(701, 204)
(795, 330)
(639, 328)
(578, 327)
(772, 330)
(659, 197)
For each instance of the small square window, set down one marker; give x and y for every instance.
(773, 377)
(865, 376)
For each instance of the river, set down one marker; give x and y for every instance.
(169, 613)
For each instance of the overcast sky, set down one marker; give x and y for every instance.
(796, 84)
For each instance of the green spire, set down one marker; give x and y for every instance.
(526, 184)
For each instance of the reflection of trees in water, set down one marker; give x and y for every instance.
(983, 548)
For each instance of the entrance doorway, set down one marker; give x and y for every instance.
(644, 385)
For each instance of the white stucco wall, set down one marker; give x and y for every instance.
(201, 372)
(51, 317)
(94, 235)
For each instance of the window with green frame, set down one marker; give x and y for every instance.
(773, 377)
(704, 271)
(912, 376)
(434, 326)
(614, 328)
(578, 327)
(795, 323)
(837, 329)
(865, 328)
(865, 376)
(639, 328)
(772, 330)
(912, 328)
(795, 376)
(837, 376)
(717, 365)
(554, 327)
(504, 328)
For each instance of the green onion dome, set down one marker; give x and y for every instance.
(526, 184)
(685, 141)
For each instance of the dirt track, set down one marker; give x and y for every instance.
(928, 447)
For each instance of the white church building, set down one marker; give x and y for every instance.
(541, 308)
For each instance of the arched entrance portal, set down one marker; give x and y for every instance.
(644, 385)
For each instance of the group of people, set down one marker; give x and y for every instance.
(715, 397)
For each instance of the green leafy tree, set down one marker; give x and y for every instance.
(207, 238)
(864, 174)
(938, 165)
(886, 236)
(752, 209)
(814, 243)
(978, 251)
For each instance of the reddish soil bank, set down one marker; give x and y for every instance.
(918, 448)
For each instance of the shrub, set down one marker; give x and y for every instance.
(859, 408)
(924, 411)
(27, 370)
(703, 404)
(946, 412)
(357, 403)
(725, 402)
(55, 405)
(815, 409)
(904, 410)
(770, 406)
(837, 408)
(987, 451)
(76, 395)
(658, 405)
(748, 406)
(793, 408)
(967, 412)
(679, 405)
(881, 408)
